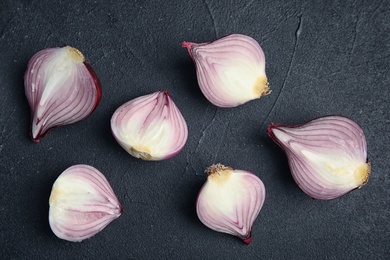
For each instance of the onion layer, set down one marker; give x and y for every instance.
(150, 127)
(327, 156)
(230, 70)
(61, 89)
(230, 201)
(82, 203)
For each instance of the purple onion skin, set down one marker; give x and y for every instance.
(297, 165)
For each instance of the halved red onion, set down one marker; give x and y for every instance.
(327, 156)
(230, 201)
(61, 89)
(230, 70)
(150, 127)
(82, 203)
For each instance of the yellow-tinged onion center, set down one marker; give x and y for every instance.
(359, 175)
(219, 173)
(75, 55)
(142, 152)
(55, 194)
(362, 173)
(261, 86)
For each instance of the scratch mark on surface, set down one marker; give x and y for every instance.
(204, 131)
(212, 18)
(264, 37)
(299, 29)
(88, 12)
(188, 165)
(354, 39)
(246, 6)
(132, 52)
(104, 55)
(223, 136)
(297, 34)
(376, 9)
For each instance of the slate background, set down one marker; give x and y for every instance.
(323, 57)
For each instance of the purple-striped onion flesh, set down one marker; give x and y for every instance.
(327, 156)
(61, 89)
(150, 127)
(230, 70)
(82, 203)
(230, 201)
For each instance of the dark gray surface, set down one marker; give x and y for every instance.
(323, 57)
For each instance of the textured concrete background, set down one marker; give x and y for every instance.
(323, 57)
